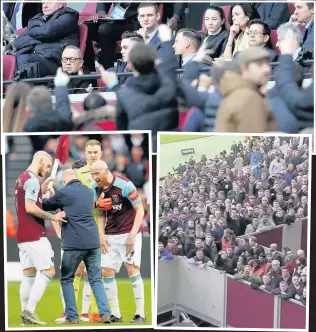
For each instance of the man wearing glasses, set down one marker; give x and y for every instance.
(259, 35)
(72, 64)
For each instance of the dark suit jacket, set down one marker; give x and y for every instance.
(273, 14)
(309, 37)
(29, 10)
(161, 47)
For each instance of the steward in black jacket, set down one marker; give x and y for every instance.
(45, 38)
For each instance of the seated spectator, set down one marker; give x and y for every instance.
(128, 40)
(241, 91)
(300, 265)
(148, 17)
(215, 30)
(275, 254)
(239, 16)
(273, 14)
(45, 37)
(72, 64)
(210, 247)
(256, 248)
(264, 264)
(259, 35)
(252, 228)
(156, 88)
(186, 44)
(163, 253)
(175, 247)
(304, 14)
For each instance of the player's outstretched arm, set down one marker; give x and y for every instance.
(33, 209)
(101, 220)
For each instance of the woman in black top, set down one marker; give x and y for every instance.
(215, 31)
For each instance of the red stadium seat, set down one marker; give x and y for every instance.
(274, 40)
(9, 65)
(160, 11)
(291, 6)
(226, 11)
(83, 34)
(89, 10)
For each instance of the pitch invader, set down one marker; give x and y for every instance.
(35, 251)
(121, 240)
(93, 152)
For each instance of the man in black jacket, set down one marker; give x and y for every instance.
(45, 38)
(149, 99)
(77, 201)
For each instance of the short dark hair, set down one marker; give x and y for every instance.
(248, 9)
(78, 164)
(93, 101)
(133, 35)
(193, 35)
(266, 30)
(310, 5)
(148, 4)
(143, 57)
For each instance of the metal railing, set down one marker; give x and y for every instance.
(128, 74)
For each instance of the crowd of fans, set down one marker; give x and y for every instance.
(126, 155)
(208, 205)
(235, 49)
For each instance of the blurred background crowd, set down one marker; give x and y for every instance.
(208, 206)
(256, 59)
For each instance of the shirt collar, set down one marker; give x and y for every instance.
(151, 35)
(308, 24)
(72, 181)
(187, 58)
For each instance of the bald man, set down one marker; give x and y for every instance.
(121, 240)
(80, 242)
(35, 251)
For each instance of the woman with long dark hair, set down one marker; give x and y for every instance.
(239, 17)
(216, 34)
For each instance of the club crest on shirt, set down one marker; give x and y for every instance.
(115, 198)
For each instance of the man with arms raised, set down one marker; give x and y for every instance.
(121, 240)
(35, 251)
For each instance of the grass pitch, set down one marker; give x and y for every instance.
(50, 306)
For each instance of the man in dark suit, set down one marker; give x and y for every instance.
(19, 13)
(259, 35)
(148, 17)
(304, 13)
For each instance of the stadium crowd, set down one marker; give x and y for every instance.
(209, 205)
(235, 47)
(126, 155)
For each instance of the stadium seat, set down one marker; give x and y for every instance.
(160, 11)
(291, 6)
(226, 11)
(183, 116)
(83, 34)
(274, 40)
(9, 65)
(89, 10)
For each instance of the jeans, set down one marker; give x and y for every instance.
(70, 262)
